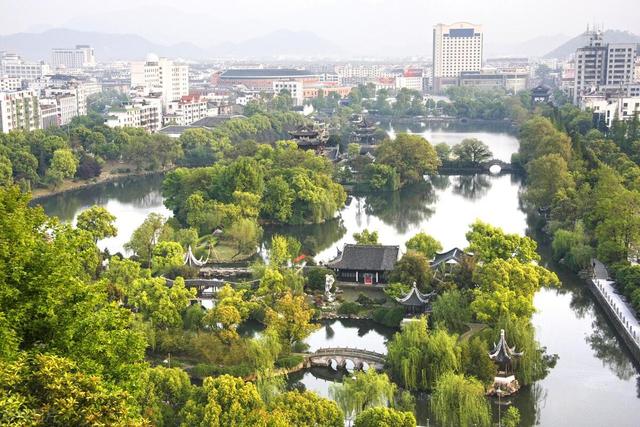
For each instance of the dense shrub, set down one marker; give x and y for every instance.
(289, 362)
(349, 308)
(389, 316)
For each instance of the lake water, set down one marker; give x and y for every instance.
(594, 382)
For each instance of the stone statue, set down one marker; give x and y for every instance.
(328, 283)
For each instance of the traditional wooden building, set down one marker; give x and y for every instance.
(310, 137)
(363, 132)
(367, 264)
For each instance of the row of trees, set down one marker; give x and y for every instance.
(80, 149)
(585, 182)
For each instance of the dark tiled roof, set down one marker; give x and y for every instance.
(367, 257)
(455, 254)
(262, 73)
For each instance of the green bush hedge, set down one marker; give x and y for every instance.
(289, 362)
(389, 316)
(349, 308)
(202, 370)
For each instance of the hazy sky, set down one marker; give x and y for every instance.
(353, 22)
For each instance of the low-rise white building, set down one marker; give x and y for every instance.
(19, 110)
(295, 88)
(189, 109)
(606, 110)
(141, 113)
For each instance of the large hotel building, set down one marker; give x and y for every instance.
(456, 48)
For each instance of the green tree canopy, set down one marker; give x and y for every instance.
(384, 417)
(410, 155)
(366, 237)
(487, 243)
(472, 150)
(424, 244)
(98, 222)
(459, 402)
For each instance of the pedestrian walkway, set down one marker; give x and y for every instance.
(623, 312)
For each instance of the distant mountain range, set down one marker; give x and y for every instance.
(611, 36)
(107, 46)
(535, 47)
(278, 44)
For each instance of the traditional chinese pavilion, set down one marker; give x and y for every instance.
(505, 382)
(415, 301)
(363, 132)
(310, 137)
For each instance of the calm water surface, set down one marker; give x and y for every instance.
(594, 382)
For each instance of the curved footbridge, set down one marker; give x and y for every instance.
(326, 356)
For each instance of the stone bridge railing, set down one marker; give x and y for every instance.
(325, 356)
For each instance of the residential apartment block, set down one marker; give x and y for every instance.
(19, 110)
(141, 113)
(600, 66)
(161, 75)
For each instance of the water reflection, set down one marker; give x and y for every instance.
(402, 209)
(130, 200)
(472, 187)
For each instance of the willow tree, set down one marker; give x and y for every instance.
(417, 358)
(362, 391)
(459, 401)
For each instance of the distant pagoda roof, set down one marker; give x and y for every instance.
(502, 353)
(308, 131)
(364, 126)
(415, 298)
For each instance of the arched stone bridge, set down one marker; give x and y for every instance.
(325, 357)
(504, 166)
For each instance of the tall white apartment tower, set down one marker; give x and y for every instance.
(456, 47)
(161, 75)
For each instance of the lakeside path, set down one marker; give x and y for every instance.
(617, 304)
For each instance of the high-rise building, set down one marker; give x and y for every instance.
(79, 57)
(602, 66)
(19, 110)
(456, 48)
(161, 75)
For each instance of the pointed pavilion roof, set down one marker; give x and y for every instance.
(501, 352)
(191, 260)
(415, 298)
